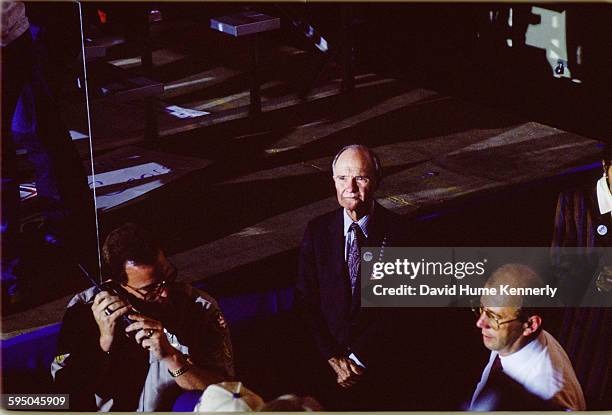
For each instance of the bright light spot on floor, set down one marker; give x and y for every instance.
(252, 232)
(280, 150)
(125, 62)
(179, 84)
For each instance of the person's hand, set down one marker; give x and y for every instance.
(107, 309)
(355, 368)
(150, 335)
(347, 372)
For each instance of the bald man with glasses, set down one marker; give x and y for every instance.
(527, 368)
(143, 339)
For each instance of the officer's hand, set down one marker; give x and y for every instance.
(107, 309)
(150, 335)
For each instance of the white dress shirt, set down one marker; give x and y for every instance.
(543, 368)
(604, 198)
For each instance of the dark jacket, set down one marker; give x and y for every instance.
(578, 218)
(586, 332)
(333, 316)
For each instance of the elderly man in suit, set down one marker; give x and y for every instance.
(355, 342)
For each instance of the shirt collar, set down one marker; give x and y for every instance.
(363, 223)
(514, 363)
(604, 198)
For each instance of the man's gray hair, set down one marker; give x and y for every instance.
(375, 160)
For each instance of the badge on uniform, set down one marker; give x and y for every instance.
(602, 230)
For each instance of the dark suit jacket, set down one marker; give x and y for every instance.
(332, 315)
(586, 332)
(578, 218)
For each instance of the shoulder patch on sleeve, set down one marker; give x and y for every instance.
(59, 359)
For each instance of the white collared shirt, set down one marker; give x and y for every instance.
(543, 368)
(604, 197)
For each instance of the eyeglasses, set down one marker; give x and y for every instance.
(152, 291)
(493, 319)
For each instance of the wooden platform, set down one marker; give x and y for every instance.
(436, 150)
(243, 191)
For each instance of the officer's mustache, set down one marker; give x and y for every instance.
(166, 312)
(151, 309)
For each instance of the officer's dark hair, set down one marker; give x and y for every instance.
(129, 242)
(375, 160)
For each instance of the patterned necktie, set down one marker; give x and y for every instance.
(353, 256)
